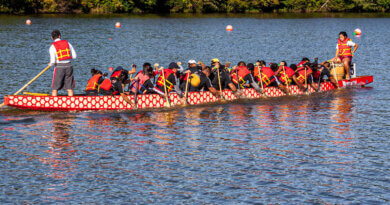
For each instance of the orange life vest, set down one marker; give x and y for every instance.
(266, 74)
(142, 78)
(242, 71)
(344, 49)
(286, 74)
(160, 80)
(93, 83)
(300, 73)
(62, 50)
(106, 85)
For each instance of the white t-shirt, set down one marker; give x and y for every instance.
(349, 43)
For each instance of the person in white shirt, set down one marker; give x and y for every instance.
(344, 51)
(61, 52)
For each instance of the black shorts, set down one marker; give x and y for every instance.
(63, 77)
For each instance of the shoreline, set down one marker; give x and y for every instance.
(284, 15)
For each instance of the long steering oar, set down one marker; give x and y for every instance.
(32, 80)
(165, 88)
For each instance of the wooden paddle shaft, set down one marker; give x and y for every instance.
(27, 84)
(219, 82)
(186, 91)
(165, 88)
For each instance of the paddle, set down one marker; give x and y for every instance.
(261, 82)
(186, 91)
(286, 79)
(307, 88)
(32, 80)
(165, 88)
(238, 82)
(219, 82)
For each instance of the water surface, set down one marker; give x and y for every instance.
(325, 148)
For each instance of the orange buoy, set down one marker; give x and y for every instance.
(118, 25)
(110, 69)
(357, 31)
(28, 22)
(229, 28)
(110, 39)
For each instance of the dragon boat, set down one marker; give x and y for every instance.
(147, 101)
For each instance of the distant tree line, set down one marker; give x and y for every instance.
(191, 6)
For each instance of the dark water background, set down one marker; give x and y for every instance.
(326, 148)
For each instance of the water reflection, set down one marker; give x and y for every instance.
(60, 157)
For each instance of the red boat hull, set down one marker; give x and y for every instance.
(80, 103)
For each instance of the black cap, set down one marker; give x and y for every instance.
(173, 65)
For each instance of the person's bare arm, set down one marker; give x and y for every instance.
(354, 49)
(214, 91)
(125, 98)
(302, 87)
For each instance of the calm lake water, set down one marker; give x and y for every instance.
(326, 148)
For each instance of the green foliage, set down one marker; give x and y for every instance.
(191, 6)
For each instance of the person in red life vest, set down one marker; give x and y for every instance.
(303, 75)
(267, 76)
(61, 52)
(224, 77)
(171, 81)
(285, 75)
(114, 85)
(245, 78)
(92, 88)
(344, 51)
(143, 81)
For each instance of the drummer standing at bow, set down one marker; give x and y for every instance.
(61, 52)
(344, 51)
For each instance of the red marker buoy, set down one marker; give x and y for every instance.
(229, 28)
(110, 39)
(118, 25)
(28, 22)
(110, 69)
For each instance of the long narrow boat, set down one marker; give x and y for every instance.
(80, 103)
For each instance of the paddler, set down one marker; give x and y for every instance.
(245, 78)
(114, 85)
(285, 75)
(61, 52)
(143, 81)
(92, 88)
(265, 76)
(192, 68)
(171, 81)
(324, 70)
(344, 51)
(303, 75)
(224, 79)
(200, 81)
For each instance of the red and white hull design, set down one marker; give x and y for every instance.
(80, 103)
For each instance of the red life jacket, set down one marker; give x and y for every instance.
(317, 73)
(242, 71)
(142, 78)
(106, 85)
(266, 74)
(286, 74)
(62, 50)
(116, 74)
(344, 49)
(300, 73)
(160, 80)
(93, 83)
